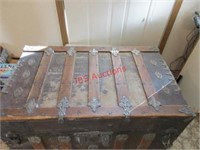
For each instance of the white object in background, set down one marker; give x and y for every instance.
(117, 22)
(191, 77)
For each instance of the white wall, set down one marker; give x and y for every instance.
(117, 22)
(182, 27)
(31, 22)
(190, 82)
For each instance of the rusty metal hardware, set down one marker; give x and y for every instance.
(11, 138)
(94, 104)
(135, 51)
(31, 105)
(93, 52)
(187, 110)
(34, 139)
(126, 105)
(114, 51)
(62, 106)
(154, 103)
(49, 51)
(71, 51)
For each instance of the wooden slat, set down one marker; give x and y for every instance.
(64, 142)
(94, 89)
(85, 112)
(21, 81)
(120, 81)
(88, 48)
(39, 79)
(170, 24)
(120, 141)
(146, 141)
(67, 78)
(62, 22)
(144, 76)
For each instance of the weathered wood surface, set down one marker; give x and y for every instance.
(123, 86)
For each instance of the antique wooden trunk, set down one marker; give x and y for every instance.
(92, 97)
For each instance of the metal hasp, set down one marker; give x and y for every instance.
(49, 51)
(93, 52)
(31, 105)
(94, 104)
(154, 103)
(62, 106)
(114, 51)
(71, 51)
(135, 51)
(126, 105)
(187, 110)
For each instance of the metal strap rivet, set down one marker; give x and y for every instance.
(126, 105)
(135, 51)
(49, 51)
(71, 51)
(114, 51)
(93, 51)
(94, 104)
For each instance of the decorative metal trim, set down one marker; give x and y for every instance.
(31, 105)
(126, 105)
(153, 62)
(94, 104)
(71, 51)
(158, 75)
(122, 137)
(93, 52)
(154, 103)
(187, 110)
(62, 106)
(166, 90)
(34, 139)
(64, 139)
(26, 74)
(114, 51)
(135, 51)
(105, 138)
(18, 92)
(31, 61)
(49, 51)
